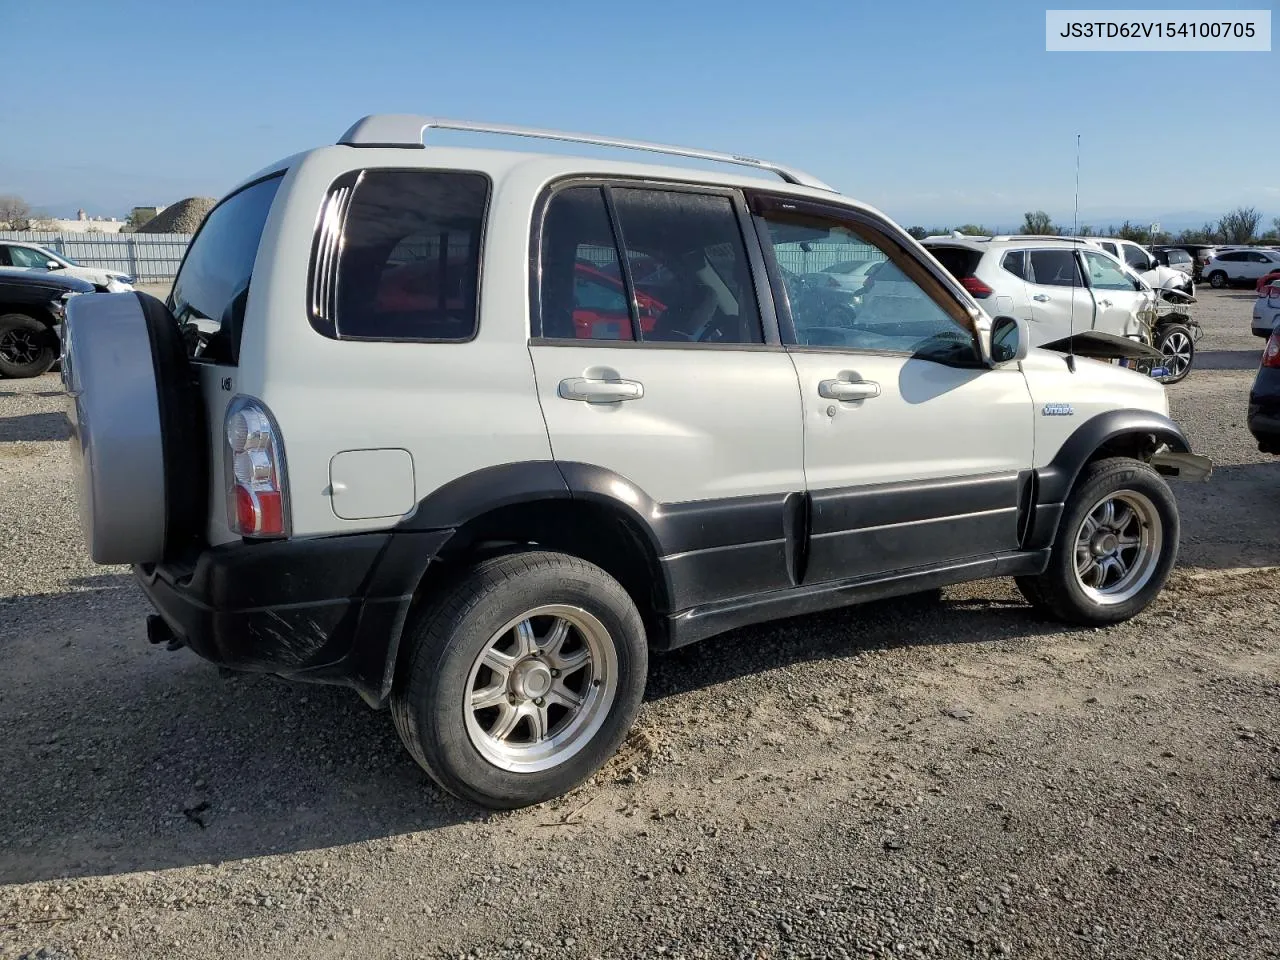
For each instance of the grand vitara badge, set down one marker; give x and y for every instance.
(1057, 410)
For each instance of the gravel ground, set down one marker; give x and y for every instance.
(934, 776)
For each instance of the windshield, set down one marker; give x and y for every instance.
(59, 257)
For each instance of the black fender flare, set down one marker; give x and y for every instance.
(419, 539)
(1055, 480)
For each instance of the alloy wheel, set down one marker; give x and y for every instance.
(541, 688)
(1118, 547)
(1177, 350)
(20, 347)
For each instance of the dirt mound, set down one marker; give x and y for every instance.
(185, 216)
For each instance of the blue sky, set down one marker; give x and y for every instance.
(935, 112)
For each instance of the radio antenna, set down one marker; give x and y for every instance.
(1075, 264)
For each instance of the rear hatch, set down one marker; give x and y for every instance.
(208, 300)
(962, 263)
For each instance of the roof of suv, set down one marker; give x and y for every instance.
(1001, 243)
(387, 139)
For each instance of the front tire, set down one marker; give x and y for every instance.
(27, 346)
(522, 679)
(1178, 345)
(1114, 548)
(1217, 279)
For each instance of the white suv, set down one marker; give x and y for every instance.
(477, 429)
(1065, 287)
(1145, 264)
(32, 256)
(1240, 266)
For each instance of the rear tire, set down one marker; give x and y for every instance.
(1108, 565)
(1217, 279)
(28, 347)
(485, 701)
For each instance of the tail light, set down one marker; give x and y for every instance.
(976, 287)
(253, 463)
(1271, 355)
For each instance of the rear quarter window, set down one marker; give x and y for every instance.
(212, 286)
(397, 256)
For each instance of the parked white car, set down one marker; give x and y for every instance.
(1058, 286)
(1064, 286)
(1266, 311)
(1144, 263)
(31, 256)
(410, 462)
(1240, 266)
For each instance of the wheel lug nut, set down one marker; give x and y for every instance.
(555, 673)
(538, 701)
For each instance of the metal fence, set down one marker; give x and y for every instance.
(151, 257)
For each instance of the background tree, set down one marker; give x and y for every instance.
(139, 217)
(973, 230)
(1130, 231)
(1039, 222)
(1086, 230)
(15, 211)
(1240, 225)
(918, 232)
(1205, 234)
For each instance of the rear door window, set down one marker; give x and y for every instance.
(397, 257)
(686, 280)
(212, 287)
(1055, 268)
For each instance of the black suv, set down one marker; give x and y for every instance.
(32, 305)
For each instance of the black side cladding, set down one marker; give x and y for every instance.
(182, 431)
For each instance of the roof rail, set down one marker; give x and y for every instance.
(406, 130)
(1041, 236)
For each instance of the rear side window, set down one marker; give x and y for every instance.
(212, 286)
(397, 256)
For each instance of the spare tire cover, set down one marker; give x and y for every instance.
(137, 432)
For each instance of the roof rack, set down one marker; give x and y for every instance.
(406, 130)
(1041, 236)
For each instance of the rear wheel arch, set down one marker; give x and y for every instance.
(33, 310)
(528, 506)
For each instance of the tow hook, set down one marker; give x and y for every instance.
(160, 632)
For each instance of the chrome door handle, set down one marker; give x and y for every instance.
(848, 389)
(1042, 298)
(600, 391)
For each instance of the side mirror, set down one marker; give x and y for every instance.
(53, 265)
(1010, 339)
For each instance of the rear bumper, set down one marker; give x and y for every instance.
(328, 610)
